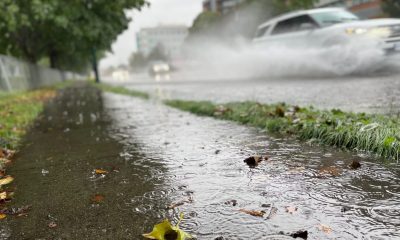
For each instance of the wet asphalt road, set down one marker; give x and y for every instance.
(372, 94)
(157, 156)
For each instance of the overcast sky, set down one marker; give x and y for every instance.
(159, 12)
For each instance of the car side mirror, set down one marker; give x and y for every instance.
(306, 26)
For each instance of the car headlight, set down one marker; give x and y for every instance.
(356, 31)
(156, 68)
(380, 32)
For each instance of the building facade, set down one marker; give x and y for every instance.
(362, 8)
(170, 38)
(221, 6)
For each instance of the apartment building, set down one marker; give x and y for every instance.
(221, 6)
(170, 37)
(362, 8)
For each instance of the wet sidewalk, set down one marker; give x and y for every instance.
(157, 157)
(55, 174)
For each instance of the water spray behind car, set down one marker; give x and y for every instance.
(315, 43)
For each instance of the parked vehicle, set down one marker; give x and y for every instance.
(159, 67)
(327, 27)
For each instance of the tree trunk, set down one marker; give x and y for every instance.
(53, 59)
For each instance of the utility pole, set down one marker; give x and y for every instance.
(94, 64)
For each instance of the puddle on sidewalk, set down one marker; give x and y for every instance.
(157, 157)
(55, 174)
(204, 158)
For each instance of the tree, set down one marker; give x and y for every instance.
(158, 53)
(137, 61)
(391, 8)
(290, 5)
(65, 31)
(204, 22)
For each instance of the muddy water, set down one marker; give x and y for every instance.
(158, 156)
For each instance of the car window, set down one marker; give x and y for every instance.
(333, 17)
(261, 31)
(300, 23)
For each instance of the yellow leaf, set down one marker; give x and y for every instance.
(3, 195)
(326, 229)
(100, 171)
(166, 230)
(253, 212)
(6, 180)
(2, 216)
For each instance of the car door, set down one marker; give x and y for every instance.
(296, 31)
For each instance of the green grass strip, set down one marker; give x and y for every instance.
(377, 134)
(18, 111)
(120, 90)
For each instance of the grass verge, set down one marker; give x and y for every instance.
(120, 90)
(17, 112)
(355, 131)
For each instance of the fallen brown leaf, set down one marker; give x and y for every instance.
(3, 195)
(332, 170)
(279, 111)
(52, 225)
(231, 202)
(100, 171)
(324, 228)
(2, 216)
(180, 203)
(6, 180)
(253, 212)
(253, 161)
(355, 165)
(98, 198)
(291, 209)
(297, 170)
(300, 234)
(16, 211)
(4, 161)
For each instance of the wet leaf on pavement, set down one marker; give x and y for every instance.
(166, 231)
(324, 228)
(52, 225)
(100, 171)
(297, 170)
(332, 171)
(231, 202)
(291, 209)
(253, 161)
(6, 180)
(3, 195)
(300, 234)
(16, 211)
(253, 212)
(355, 165)
(180, 203)
(98, 198)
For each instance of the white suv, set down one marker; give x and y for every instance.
(327, 26)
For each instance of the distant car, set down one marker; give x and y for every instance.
(327, 27)
(157, 68)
